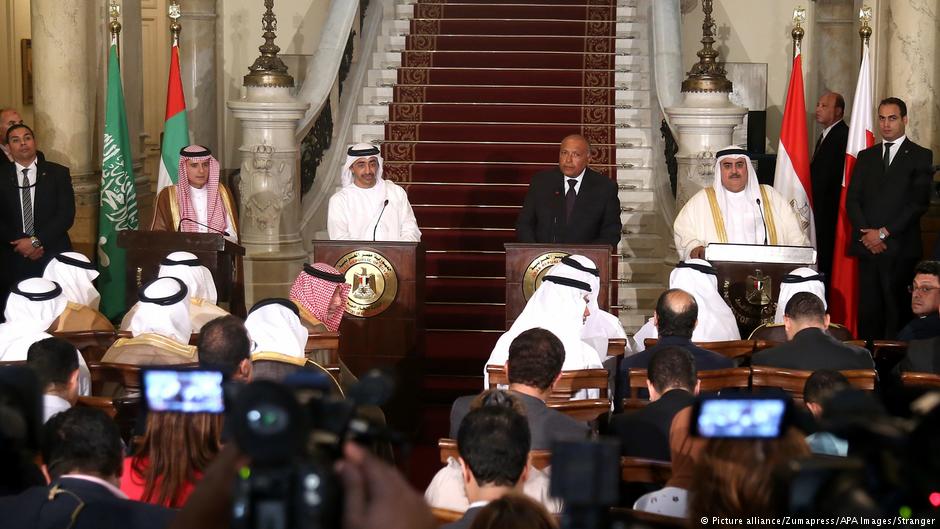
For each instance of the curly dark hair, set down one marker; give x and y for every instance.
(535, 358)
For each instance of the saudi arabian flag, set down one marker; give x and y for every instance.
(175, 126)
(118, 197)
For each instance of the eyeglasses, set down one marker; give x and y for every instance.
(923, 290)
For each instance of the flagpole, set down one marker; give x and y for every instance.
(114, 11)
(173, 11)
(799, 17)
(864, 16)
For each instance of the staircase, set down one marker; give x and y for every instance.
(469, 99)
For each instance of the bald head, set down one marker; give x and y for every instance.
(676, 313)
(8, 118)
(573, 155)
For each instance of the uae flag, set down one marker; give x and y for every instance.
(792, 179)
(844, 284)
(175, 125)
(118, 209)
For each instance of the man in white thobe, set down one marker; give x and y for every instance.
(368, 207)
(736, 209)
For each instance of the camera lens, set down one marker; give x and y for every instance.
(267, 419)
(268, 422)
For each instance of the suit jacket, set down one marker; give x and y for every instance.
(645, 432)
(465, 521)
(921, 328)
(812, 349)
(895, 199)
(594, 220)
(545, 424)
(826, 170)
(923, 356)
(53, 215)
(33, 510)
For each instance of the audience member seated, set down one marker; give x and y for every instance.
(819, 387)
(673, 384)
(533, 367)
(676, 318)
(559, 305)
(799, 280)
(923, 356)
(32, 307)
(716, 321)
(20, 394)
(493, 442)
(198, 280)
(684, 450)
(513, 511)
(74, 273)
(171, 458)
(810, 347)
(82, 455)
(160, 327)
(56, 365)
(737, 477)
(224, 345)
(601, 326)
(925, 303)
(279, 337)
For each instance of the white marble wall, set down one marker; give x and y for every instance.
(836, 35)
(913, 66)
(199, 73)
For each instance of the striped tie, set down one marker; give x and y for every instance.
(27, 204)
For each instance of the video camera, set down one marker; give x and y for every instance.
(292, 431)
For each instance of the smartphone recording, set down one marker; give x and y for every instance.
(744, 417)
(185, 391)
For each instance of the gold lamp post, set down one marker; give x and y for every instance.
(269, 70)
(707, 75)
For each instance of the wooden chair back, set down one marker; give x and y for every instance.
(585, 410)
(445, 516)
(647, 520)
(888, 352)
(539, 459)
(793, 380)
(323, 348)
(7, 363)
(775, 332)
(616, 346)
(91, 344)
(913, 379)
(639, 470)
(569, 383)
(113, 379)
(497, 376)
(124, 411)
(715, 380)
(738, 350)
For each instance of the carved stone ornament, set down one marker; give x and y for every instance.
(268, 69)
(268, 192)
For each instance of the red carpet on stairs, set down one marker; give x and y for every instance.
(485, 93)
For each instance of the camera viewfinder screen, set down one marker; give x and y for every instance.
(748, 418)
(184, 391)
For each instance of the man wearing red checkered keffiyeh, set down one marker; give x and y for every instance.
(198, 202)
(320, 292)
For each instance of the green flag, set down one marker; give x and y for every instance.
(118, 197)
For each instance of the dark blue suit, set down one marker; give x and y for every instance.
(32, 509)
(645, 432)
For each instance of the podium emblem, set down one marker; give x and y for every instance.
(532, 278)
(373, 280)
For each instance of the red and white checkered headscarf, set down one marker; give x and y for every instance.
(215, 210)
(314, 289)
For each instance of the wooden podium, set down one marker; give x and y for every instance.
(145, 250)
(749, 278)
(527, 263)
(384, 322)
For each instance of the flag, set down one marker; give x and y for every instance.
(175, 125)
(792, 178)
(844, 283)
(118, 207)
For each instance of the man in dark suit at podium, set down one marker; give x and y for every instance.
(571, 204)
(826, 170)
(888, 194)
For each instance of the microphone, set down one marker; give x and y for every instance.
(761, 210)
(376, 228)
(180, 225)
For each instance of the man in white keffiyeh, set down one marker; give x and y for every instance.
(74, 273)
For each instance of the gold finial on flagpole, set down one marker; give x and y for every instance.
(173, 11)
(114, 13)
(707, 75)
(268, 69)
(864, 16)
(799, 17)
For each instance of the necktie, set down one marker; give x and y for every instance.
(887, 157)
(570, 197)
(27, 204)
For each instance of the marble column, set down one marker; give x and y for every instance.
(913, 66)
(269, 190)
(198, 67)
(65, 57)
(704, 122)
